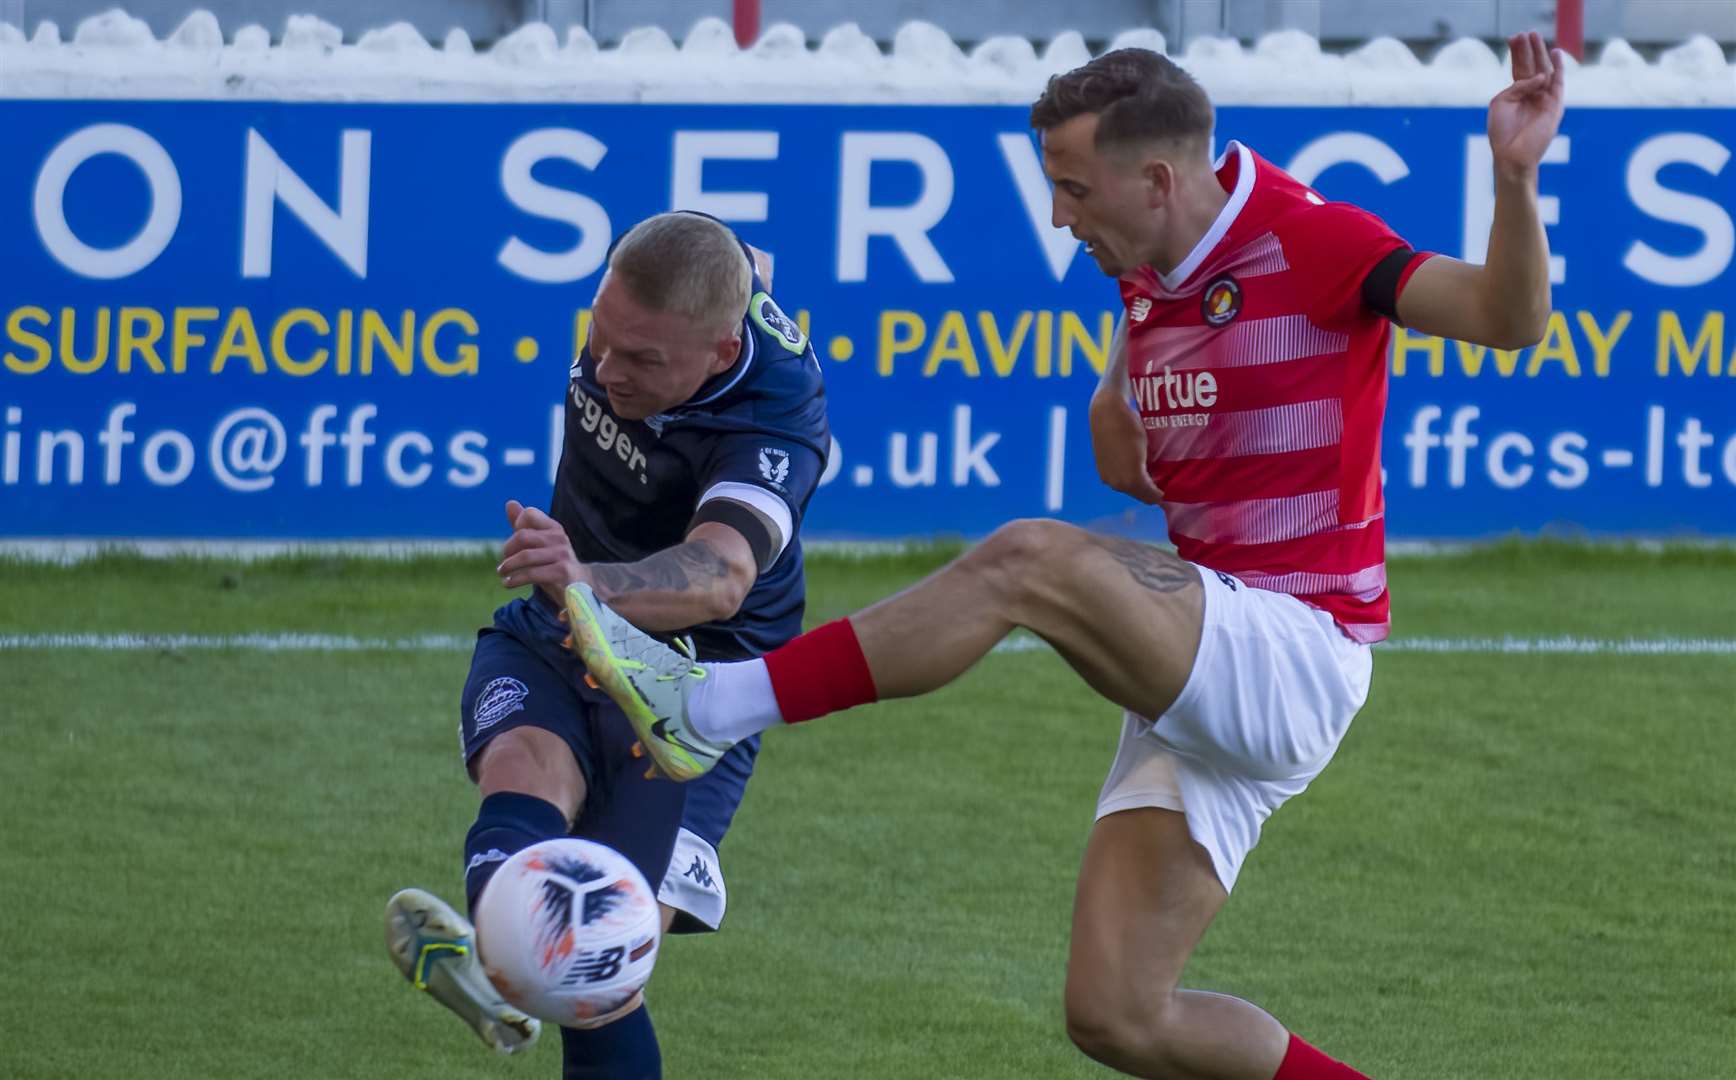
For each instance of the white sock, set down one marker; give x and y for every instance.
(733, 701)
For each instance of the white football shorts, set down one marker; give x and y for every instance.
(1272, 692)
(694, 882)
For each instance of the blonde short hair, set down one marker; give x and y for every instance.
(686, 264)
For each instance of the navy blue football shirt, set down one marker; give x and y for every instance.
(754, 434)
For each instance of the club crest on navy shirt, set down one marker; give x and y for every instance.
(771, 318)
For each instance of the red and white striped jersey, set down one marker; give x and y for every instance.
(1260, 375)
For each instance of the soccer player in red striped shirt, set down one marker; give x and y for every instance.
(1244, 396)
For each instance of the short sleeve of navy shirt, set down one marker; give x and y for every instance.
(627, 489)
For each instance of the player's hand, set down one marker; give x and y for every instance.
(762, 265)
(538, 553)
(1118, 443)
(1524, 118)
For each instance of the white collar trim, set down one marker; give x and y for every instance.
(1226, 217)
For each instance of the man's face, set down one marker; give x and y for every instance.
(1106, 200)
(650, 361)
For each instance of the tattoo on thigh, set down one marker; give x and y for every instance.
(1151, 567)
(695, 564)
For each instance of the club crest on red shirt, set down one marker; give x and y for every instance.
(1222, 301)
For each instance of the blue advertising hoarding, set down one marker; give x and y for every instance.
(325, 320)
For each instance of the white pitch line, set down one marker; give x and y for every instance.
(238, 642)
(1670, 646)
(1510, 646)
(275, 643)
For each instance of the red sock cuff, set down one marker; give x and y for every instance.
(1303, 1062)
(822, 671)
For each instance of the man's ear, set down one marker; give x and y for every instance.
(1159, 177)
(727, 351)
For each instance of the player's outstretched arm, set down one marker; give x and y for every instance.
(1117, 436)
(1505, 302)
(702, 579)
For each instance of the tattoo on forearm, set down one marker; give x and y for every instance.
(695, 564)
(1151, 567)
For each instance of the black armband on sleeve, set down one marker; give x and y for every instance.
(1380, 287)
(759, 532)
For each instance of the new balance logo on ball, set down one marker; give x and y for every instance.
(595, 966)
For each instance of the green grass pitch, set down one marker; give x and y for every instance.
(1519, 865)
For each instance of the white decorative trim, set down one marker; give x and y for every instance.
(114, 55)
(1226, 217)
(760, 499)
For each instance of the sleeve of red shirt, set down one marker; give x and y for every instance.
(1340, 244)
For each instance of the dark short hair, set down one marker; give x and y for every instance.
(1137, 94)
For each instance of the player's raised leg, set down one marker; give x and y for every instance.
(1125, 615)
(1146, 894)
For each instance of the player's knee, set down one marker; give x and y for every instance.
(1096, 1034)
(531, 761)
(1122, 1033)
(1020, 551)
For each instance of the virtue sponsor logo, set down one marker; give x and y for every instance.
(1162, 398)
(1170, 391)
(597, 422)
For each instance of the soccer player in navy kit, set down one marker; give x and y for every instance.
(695, 435)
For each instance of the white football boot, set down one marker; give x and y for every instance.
(435, 948)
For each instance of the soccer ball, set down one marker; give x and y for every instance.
(567, 930)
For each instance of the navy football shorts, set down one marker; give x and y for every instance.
(521, 675)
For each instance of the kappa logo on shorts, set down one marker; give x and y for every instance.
(701, 874)
(499, 699)
(1228, 580)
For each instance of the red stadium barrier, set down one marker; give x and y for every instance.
(1569, 27)
(747, 22)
